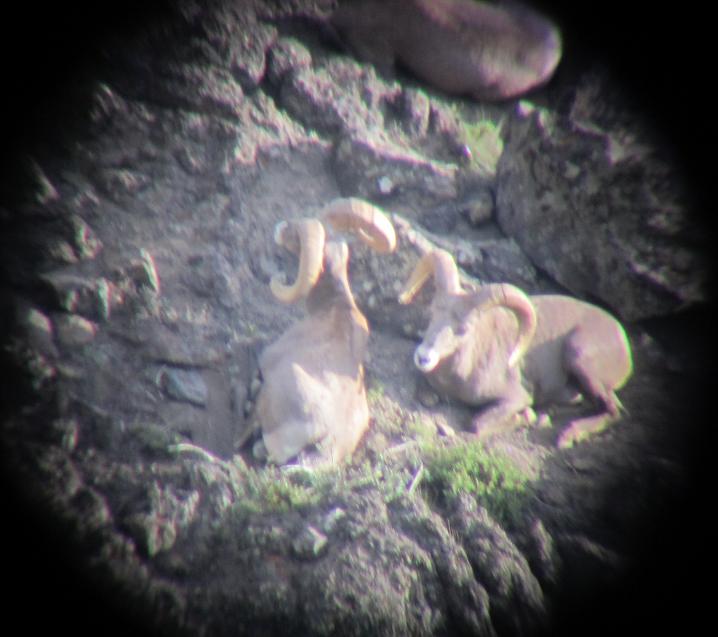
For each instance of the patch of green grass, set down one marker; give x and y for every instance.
(276, 490)
(483, 140)
(390, 481)
(490, 476)
(421, 429)
(422, 464)
(375, 392)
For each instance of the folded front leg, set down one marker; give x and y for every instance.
(582, 428)
(505, 414)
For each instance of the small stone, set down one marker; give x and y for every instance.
(38, 329)
(571, 170)
(61, 251)
(385, 185)
(105, 104)
(417, 111)
(121, 181)
(463, 257)
(259, 451)
(74, 330)
(150, 535)
(86, 244)
(332, 518)
(39, 369)
(108, 296)
(287, 55)
(529, 416)
(543, 421)
(45, 192)
(445, 429)
(145, 271)
(67, 432)
(524, 108)
(480, 209)
(428, 398)
(309, 543)
(92, 508)
(93, 298)
(185, 386)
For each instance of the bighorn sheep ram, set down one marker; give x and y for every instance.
(499, 348)
(313, 399)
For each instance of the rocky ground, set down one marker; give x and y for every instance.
(137, 250)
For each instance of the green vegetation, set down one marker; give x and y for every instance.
(492, 477)
(484, 142)
(375, 392)
(421, 429)
(274, 489)
(441, 472)
(416, 460)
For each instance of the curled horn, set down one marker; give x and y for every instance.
(305, 236)
(439, 264)
(365, 220)
(514, 299)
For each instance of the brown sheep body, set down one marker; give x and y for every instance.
(502, 350)
(313, 392)
(312, 404)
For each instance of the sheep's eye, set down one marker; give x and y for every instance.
(460, 329)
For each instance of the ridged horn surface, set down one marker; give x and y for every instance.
(309, 234)
(439, 264)
(512, 298)
(363, 219)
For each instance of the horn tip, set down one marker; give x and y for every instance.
(279, 289)
(405, 297)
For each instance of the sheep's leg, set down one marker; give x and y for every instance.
(587, 363)
(506, 414)
(582, 428)
(250, 429)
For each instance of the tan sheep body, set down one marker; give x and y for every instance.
(312, 402)
(505, 351)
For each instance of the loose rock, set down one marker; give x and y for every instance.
(184, 385)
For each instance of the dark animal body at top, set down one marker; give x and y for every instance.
(462, 47)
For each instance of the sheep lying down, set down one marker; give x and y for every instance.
(313, 401)
(312, 406)
(505, 351)
(497, 348)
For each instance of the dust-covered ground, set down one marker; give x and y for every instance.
(139, 203)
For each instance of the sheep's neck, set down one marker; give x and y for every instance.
(330, 293)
